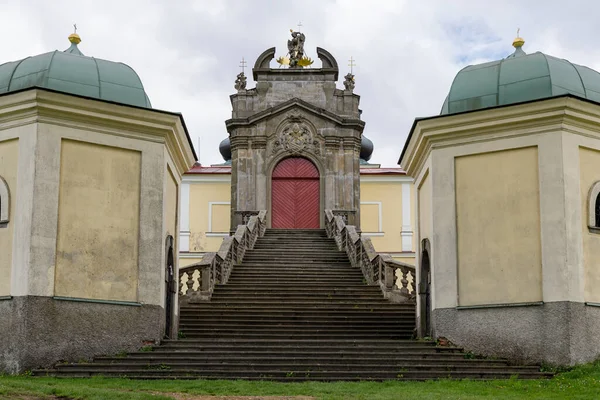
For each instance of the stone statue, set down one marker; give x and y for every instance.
(296, 48)
(240, 82)
(349, 82)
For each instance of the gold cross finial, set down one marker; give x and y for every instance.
(243, 64)
(351, 64)
(74, 37)
(519, 41)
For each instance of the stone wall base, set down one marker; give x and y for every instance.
(559, 333)
(40, 331)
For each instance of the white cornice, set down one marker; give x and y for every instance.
(385, 178)
(206, 178)
(37, 105)
(559, 114)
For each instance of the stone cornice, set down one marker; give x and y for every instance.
(45, 106)
(295, 103)
(564, 113)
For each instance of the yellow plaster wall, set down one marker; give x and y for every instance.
(201, 194)
(498, 227)
(171, 201)
(9, 153)
(369, 218)
(390, 196)
(589, 169)
(220, 217)
(98, 222)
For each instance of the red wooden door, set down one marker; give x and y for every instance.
(295, 195)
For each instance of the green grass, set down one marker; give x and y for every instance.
(582, 382)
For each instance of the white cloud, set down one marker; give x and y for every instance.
(187, 51)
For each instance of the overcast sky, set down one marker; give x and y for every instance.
(407, 52)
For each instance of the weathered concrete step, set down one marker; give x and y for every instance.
(336, 290)
(301, 272)
(293, 375)
(317, 309)
(296, 266)
(311, 352)
(273, 348)
(303, 302)
(293, 286)
(296, 269)
(292, 282)
(260, 326)
(315, 316)
(295, 299)
(297, 296)
(308, 365)
(307, 256)
(295, 252)
(308, 278)
(267, 318)
(295, 245)
(300, 335)
(260, 356)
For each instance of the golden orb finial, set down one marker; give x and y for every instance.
(74, 37)
(519, 41)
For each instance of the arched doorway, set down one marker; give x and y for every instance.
(425, 290)
(170, 287)
(295, 194)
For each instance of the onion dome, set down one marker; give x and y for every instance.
(72, 72)
(366, 148)
(518, 78)
(225, 149)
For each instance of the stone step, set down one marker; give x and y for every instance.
(307, 365)
(188, 320)
(306, 357)
(338, 290)
(315, 308)
(297, 374)
(304, 325)
(315, 315)
(299, 335)
(297, 296)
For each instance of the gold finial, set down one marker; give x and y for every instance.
(519, 41)
(74, 37)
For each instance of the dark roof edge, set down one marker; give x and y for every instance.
(177, 114)
(419, 119)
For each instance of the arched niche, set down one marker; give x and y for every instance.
(594, 207)
(4, 202)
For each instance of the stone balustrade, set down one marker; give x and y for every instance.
(396, 279)
(198, 280)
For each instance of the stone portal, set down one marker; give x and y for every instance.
(294, 113)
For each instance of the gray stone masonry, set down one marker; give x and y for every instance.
(299, 113)
(37, 331)
(560, 333)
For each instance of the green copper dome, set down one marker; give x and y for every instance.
(517, 78)
(71, 72)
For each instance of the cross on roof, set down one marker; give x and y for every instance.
(243, 64)
(299, 26)
(351, 64)
(75, 27)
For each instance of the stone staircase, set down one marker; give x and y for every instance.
(296, 310)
